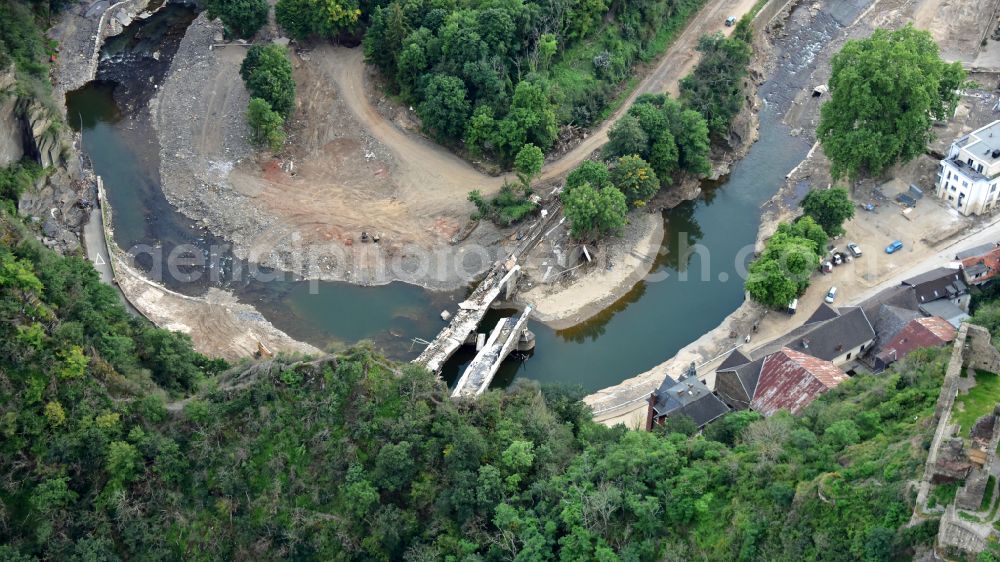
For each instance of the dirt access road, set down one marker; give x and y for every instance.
(422, 164)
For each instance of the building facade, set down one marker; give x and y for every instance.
(968, 177)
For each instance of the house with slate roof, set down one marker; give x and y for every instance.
(686, 396)
(943, 283)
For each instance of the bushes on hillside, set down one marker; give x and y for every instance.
(715, 87)
(571, 54)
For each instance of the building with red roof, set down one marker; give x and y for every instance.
(931, 331)
(784, 380)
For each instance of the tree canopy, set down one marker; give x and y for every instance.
(242, 18)
(266, 125)
(594, 213)
(664, 133)
(527, 67)
(830, 208)
(782, 271)
(715, 87)
(303, 19)
(885, 92)
(267, 73)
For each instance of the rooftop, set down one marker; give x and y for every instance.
(984, 143)
(826, 339)
(919, 333)
(976, 251)
(947, 310)
(790, 380)
(690, 397)
(940, 283)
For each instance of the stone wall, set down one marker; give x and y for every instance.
(980, 353)
(769, 12)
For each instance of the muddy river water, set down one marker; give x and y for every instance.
(687, 293)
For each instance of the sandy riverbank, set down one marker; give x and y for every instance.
(573, 302)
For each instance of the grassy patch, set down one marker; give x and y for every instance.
(988, 496)
(943, 494)
(980, 401)
(969, 517)
(757, 8)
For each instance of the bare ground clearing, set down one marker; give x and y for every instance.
(347, 169)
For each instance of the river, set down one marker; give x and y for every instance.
(647, 326)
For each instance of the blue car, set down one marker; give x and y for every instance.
(894, 247)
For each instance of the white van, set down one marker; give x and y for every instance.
(793, 306)
(831, 295)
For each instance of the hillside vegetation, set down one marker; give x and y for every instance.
(497, 75)
(354, 458)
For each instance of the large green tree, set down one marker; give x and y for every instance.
(267, 73)
(446, 108)
(885, 91)
(594, 213)
(830, 208)
(636, 179)
(782, 271)
(266, 125)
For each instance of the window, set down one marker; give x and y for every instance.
(949, 174)
(951, 198)
(953, 188)
(970, 161)
(979, 168)
(965, 184)
(993, 188)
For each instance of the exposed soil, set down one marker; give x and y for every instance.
(347, 168)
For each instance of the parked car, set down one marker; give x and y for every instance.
(793, 306)
(730, 21)
(894, 247)
(831, 295)
(854, 249)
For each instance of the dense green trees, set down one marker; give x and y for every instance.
(715, 87)
(446, 108)
(352, 457)
(524, 67)
(594, 213)
(266, 125)
(242, 18)
(664, 133)
(782, 271)
(267, 73)
(830, 208)
(303, 19)
(885, 92)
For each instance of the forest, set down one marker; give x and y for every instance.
(501, 74)
(121, 443)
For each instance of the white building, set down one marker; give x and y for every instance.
(968, 177)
